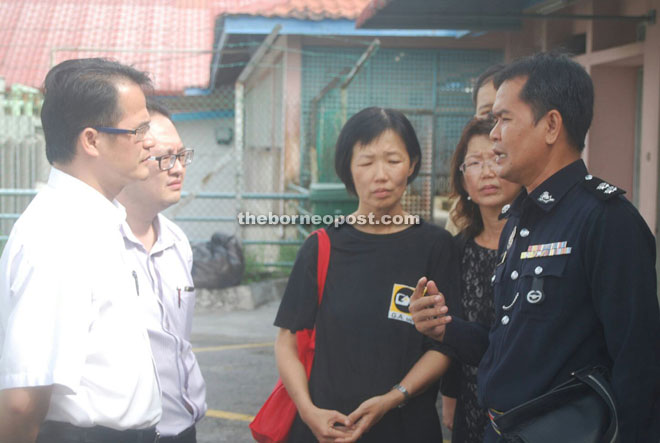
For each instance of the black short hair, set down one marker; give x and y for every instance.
(484, 78)
(364, 127)
(554, 81)
(155, 106)
(78, 94)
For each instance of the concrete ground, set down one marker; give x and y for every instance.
(235, 353)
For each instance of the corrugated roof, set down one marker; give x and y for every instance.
(443, 14)
(157, 36)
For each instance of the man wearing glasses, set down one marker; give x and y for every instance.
(75, 357)
(161, 258)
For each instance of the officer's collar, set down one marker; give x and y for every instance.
(551, 191)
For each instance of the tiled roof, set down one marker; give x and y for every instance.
(158, 36)
(302, 9)
(370, 9)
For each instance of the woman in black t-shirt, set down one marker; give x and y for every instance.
(369, 357)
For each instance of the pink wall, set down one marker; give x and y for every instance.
(650, 137)
(612, 137)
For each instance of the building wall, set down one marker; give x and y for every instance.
(650, 131)
(199, 120)
(213, 170)
(612, 137)
(613, 56)
(613, 52)
(624, 140)
(292, 90)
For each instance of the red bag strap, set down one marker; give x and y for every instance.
(323, 260)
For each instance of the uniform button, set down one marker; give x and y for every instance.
(524, 232)
(505, 320)
(514, 275)
(492, 279)
(538, 270)
(505, 208)
(589, 177)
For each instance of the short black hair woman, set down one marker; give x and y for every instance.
(369, 357)
(480, 196)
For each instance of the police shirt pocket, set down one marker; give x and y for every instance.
(540, 297)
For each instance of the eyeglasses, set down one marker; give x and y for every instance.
(474, 166)
(139, 133)
(167, 161)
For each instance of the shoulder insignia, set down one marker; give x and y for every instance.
(600, 188)
(546, 198)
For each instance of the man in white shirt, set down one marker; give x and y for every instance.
(75, 359)
(160, 254)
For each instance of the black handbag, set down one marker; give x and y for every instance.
(581, 410)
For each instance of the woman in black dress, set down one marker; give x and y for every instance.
(480, 197)
(374, 377)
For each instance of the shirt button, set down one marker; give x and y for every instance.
(514, 275)
(538, 270)
(524, 232)
(589, 177)
(505, 320)
(505, 208)
(492, 279)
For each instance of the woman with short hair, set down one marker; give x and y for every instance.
(374, 376)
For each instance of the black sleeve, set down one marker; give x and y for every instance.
(464, 341)
(443, 269)
(300, 300)
(467, 341)
(620, 265)
(449, 386)
(450, 380)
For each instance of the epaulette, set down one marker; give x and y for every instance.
(600, 188)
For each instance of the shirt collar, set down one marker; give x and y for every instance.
(89, 199)
(165, 237)
(551, 191)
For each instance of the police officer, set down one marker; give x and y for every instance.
(576, 283)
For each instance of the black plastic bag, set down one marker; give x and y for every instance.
(218, 263)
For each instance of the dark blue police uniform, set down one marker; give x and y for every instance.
(575, 287)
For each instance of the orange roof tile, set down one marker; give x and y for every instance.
(158, 36)
(303, 9)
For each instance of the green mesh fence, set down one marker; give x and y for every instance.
(432, 87)
(456, 73)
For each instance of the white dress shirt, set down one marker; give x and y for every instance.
(167, 297)
(69, 313)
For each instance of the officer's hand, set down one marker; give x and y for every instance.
(429, 312)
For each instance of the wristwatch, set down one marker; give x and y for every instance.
(404, 391)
